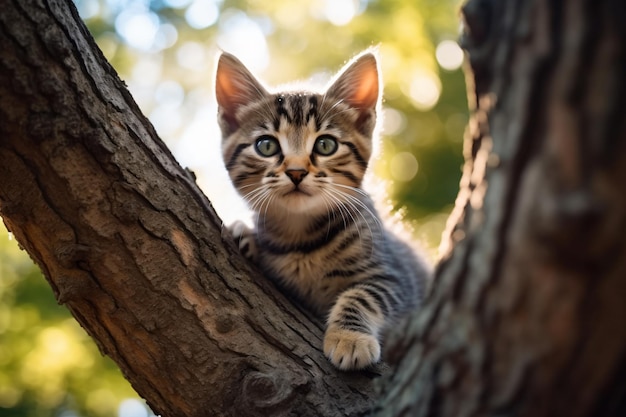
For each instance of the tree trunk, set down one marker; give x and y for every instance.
(526, 317)
(134, 249)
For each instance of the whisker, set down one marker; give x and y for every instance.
(358, 206)
(332, 208)
(359, 202)
(343, 208)
(355, 204)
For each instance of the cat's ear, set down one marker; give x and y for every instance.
(235, 87)
(358, 83)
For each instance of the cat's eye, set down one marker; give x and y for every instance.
(267, 146)
(325, 145)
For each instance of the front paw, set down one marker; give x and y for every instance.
(245, 237)
(350, 350)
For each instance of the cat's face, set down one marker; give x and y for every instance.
(297, 151)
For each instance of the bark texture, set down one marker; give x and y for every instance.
(526, 317)
(134, 249)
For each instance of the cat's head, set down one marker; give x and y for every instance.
(297, 151)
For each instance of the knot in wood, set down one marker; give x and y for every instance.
(71, 255)
(224, 324)
(263, 391)
(73, 286)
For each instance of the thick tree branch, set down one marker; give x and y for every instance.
(133, 248)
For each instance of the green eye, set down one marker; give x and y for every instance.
(267, 146)
(325, 145)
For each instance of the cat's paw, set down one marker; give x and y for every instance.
(245, 238)
(350, 350)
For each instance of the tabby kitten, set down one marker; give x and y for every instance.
(298, 158)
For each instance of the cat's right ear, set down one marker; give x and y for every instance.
(235, 87)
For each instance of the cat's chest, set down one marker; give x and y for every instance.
(307, 275)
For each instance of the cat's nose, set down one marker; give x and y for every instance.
(296, 175)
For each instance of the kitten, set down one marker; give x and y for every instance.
(298, 158)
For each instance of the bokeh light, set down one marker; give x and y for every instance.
(202, 13)
(138, 26)
(88, 8)
(425, 90)
(244, 38)
(393, 121)
(449, 55)
(340, 12)
(403, 166)
(132, 408)
(177, 4)
(193, 55)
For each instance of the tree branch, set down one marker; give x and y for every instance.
(134, 249)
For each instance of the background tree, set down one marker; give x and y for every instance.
(526, 316)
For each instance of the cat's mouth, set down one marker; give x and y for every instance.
(296, 192)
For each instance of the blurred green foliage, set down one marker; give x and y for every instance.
(48, 364)
(165, 50)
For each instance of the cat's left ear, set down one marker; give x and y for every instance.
(358, 84)
(235, 87)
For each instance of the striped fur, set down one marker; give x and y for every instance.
(298, 158)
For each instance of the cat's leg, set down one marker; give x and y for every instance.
(354, 325)
(246, 239)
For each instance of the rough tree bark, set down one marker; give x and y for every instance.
(525, 313)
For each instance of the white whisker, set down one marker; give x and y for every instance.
(359, 202)
(346, 214)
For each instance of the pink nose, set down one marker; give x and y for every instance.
(296, 175)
